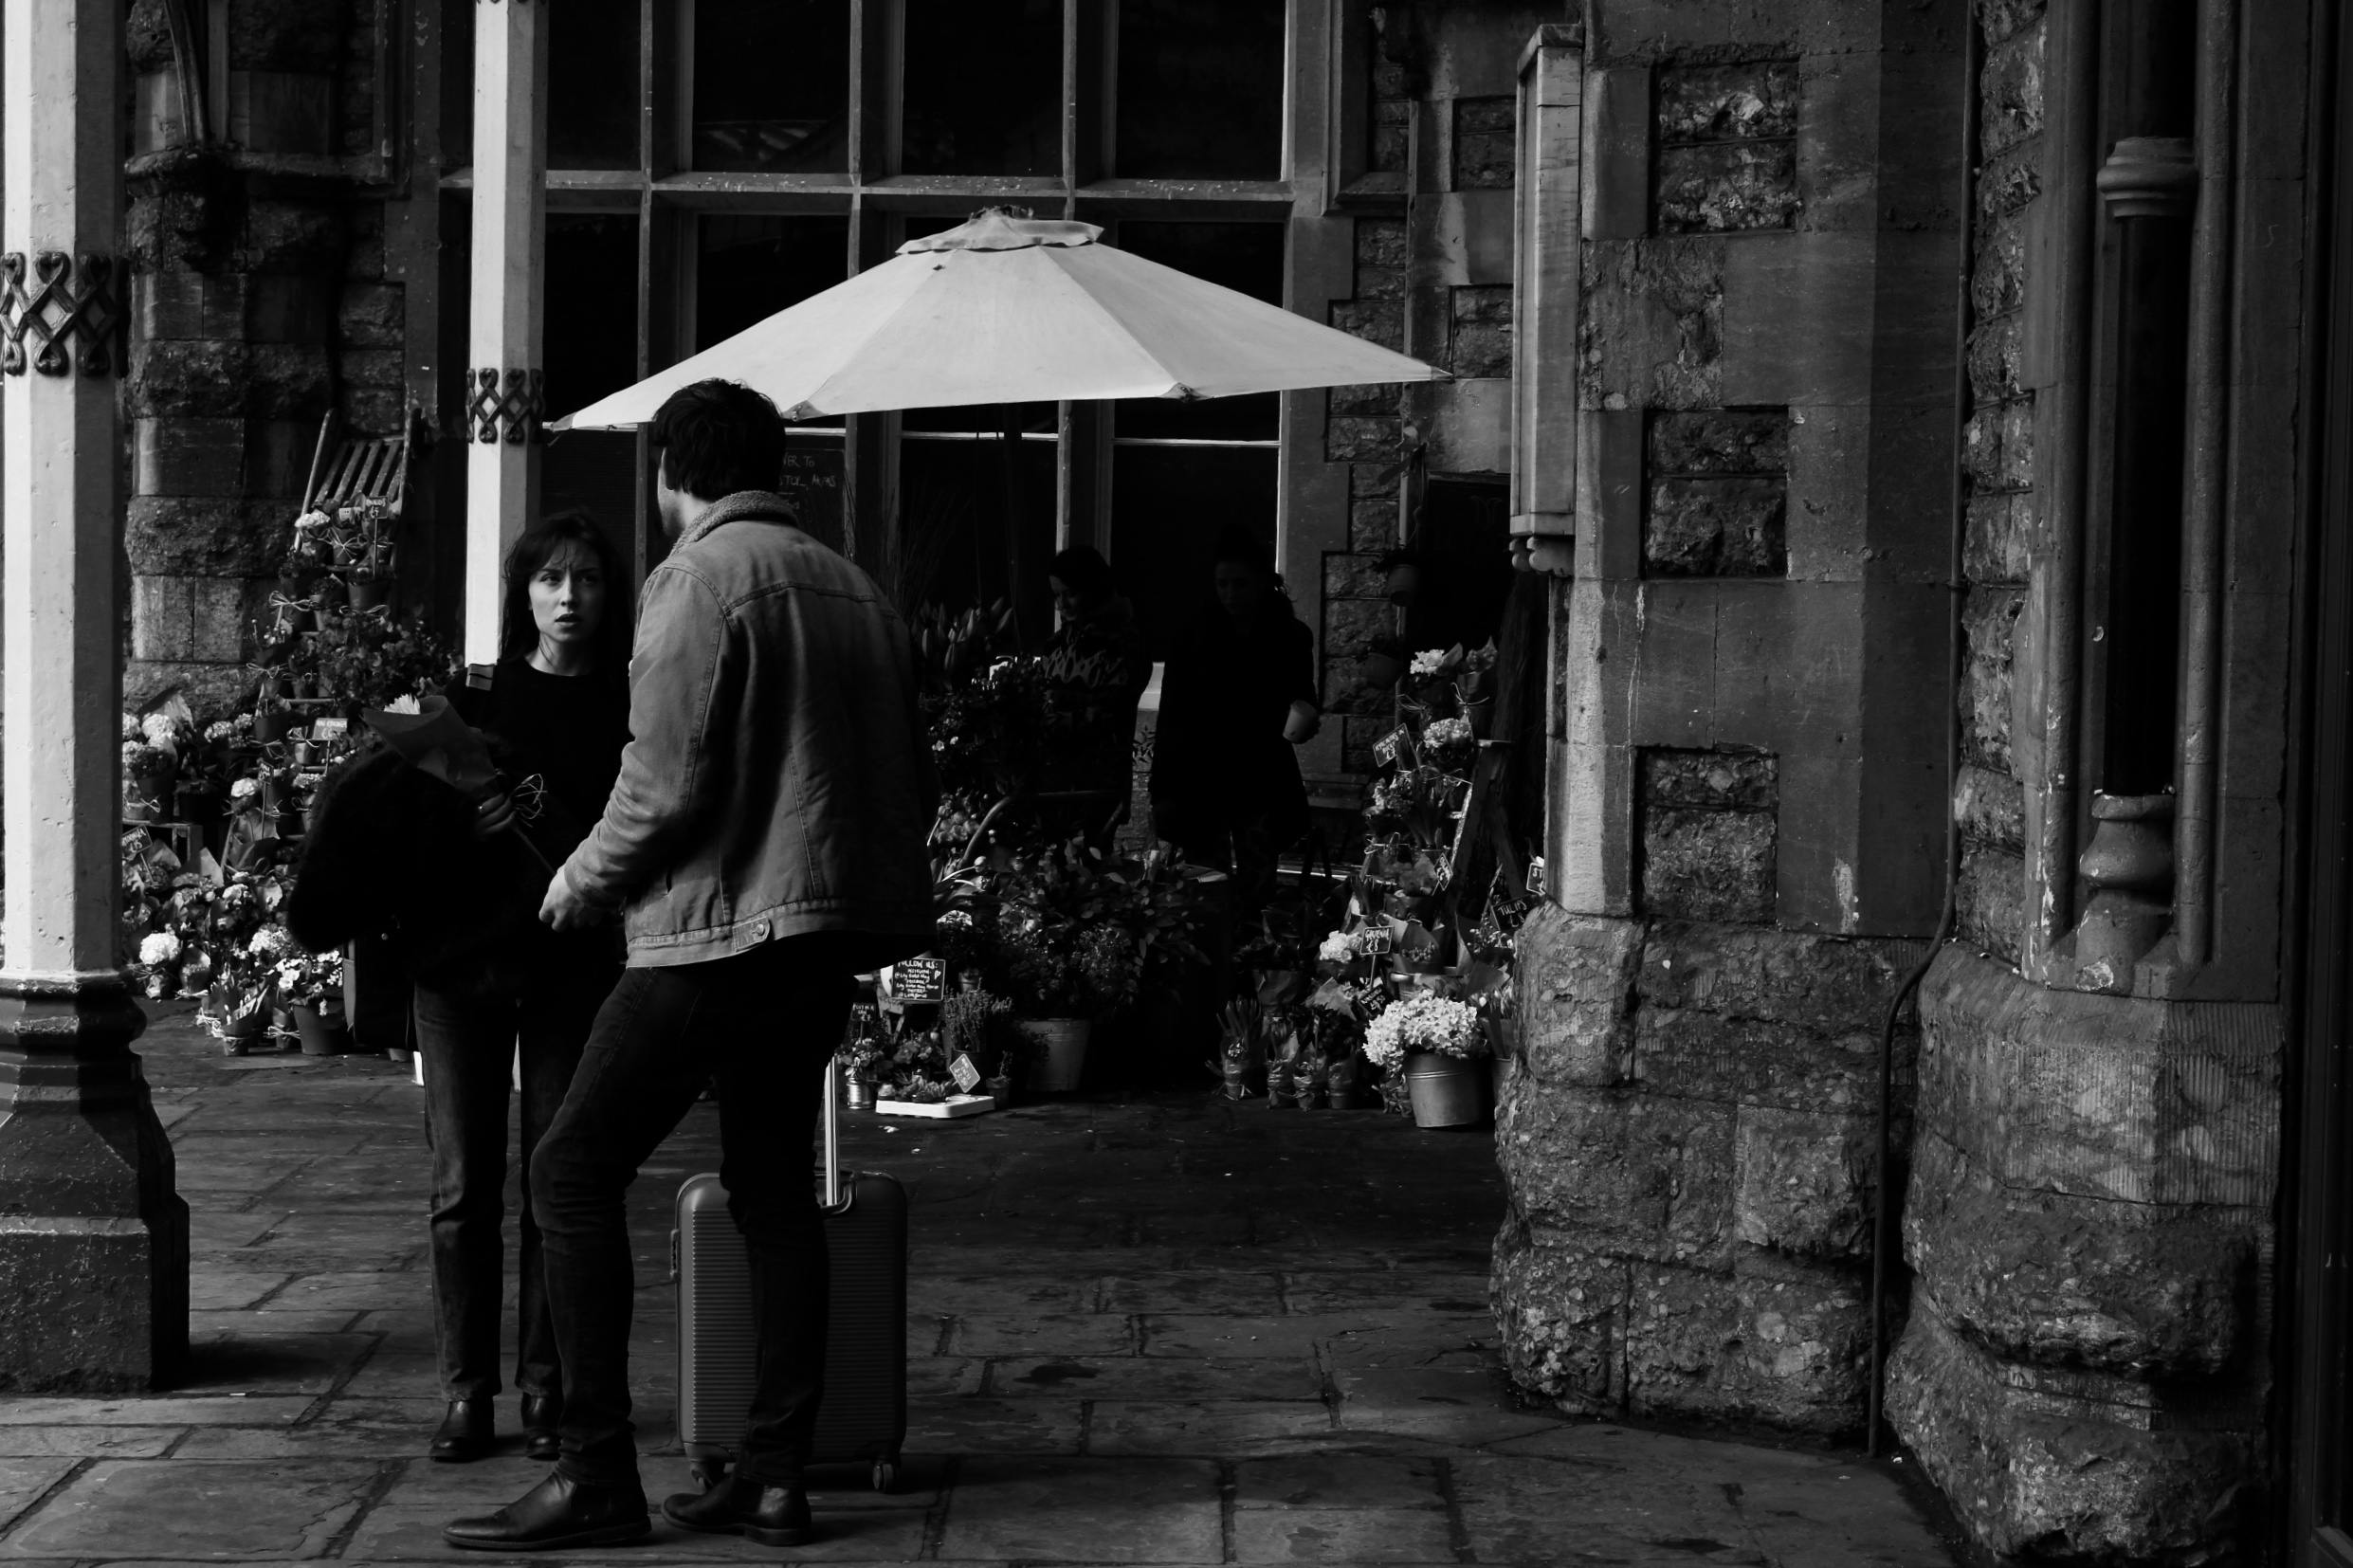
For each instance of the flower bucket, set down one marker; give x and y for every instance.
(861, 1093)
(369, 595)
(322, 1033)
(273, 724)
(1061, 1054)
(1446, 1091)
(240, 1034)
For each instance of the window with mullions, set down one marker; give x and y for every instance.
(770, 86)
(1199, 90)
(981, 88)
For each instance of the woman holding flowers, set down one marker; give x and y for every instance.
(1239, 693)
(555, 710)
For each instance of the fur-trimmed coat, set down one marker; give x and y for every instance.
(391, 850)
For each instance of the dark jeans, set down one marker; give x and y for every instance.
(763, 1023)
(468, 1039)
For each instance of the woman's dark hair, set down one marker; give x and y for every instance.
(518, 632)
(1083, 568)
(719, 437)
(1243, 547)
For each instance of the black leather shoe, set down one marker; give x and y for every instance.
(542, 1415)
(771, 1515)
(466, 1432)
(559, 1511)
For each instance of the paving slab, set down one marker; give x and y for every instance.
(1142, 1377)
(88, 1442)
(1206, 1427)
(1045, 1334)
(1337, 1481)
(1343, 1536)
(178, 1508)
(23, 1481)
(1154, 1510)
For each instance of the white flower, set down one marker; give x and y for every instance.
(1442, 732)
(158, 948)
(272, 942)
(131, 730)
(1339, 948)
(220, 729)
(159, 730)
(244, 790)
(1428, 1022)
(311, 522)
(401, 705)
(1428, 662)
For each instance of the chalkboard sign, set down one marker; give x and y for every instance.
(812, 480)
(923, 979)
(967, 1076)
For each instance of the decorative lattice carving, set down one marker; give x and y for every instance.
(61, 311)
(509, 404)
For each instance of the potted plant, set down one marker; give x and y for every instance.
(158, 970)
(147, 779)
(1436, 1042)
(976, 1024)
(311, 985)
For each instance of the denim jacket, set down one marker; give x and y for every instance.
(778, 777)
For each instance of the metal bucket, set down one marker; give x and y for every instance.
(1060, 1055)
(1446, 1092)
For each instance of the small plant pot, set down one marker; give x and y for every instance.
(1061, 1055)
(370, 595)
(322, 1033)
(1446, 1091)
(861, 1094)
(240, 1035)
(272, 725)
(141, 808)
(999, 1088)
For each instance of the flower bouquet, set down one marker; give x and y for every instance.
(1431, 1041)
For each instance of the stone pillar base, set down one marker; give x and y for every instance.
(93, 1236)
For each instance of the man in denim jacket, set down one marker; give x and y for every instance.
(764, 844)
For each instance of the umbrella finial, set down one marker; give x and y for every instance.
(997, 229)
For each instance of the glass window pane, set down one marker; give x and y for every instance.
(772, 84)
(1244, 256)
(594, 95)
(1167, 506)
(591, 306)
(983, 88)
(955, 547)
(747, 268)
(1200, 90)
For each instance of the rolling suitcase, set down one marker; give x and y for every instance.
(864, 1419)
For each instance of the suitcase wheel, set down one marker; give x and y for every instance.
(707, 1473)
(885, 1473)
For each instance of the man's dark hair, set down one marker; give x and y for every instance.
(719, 437)
(1084, 571)
(1242, 546)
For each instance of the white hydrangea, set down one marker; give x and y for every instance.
(1339, 948)
(220, 729)
(159, 730)
(1445, 733)
(244, 791)
(1427, 1022)
(158, 948)
(1428, 662)
(271, 942)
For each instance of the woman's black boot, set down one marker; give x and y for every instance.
(542, 1415)
(466, 1432)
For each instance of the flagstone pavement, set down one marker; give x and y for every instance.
(1147, 1329)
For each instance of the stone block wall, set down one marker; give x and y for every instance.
(1747, 796)
(257, 307)
(2085, 1370)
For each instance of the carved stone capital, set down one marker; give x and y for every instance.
(2150, 178)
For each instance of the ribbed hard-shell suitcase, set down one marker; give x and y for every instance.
(864, 1418)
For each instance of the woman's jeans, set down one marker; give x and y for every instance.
(468, 1039)
(764, 1024)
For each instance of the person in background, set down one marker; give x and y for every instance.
(764, 845)
(1238, 695)
(1099, 626)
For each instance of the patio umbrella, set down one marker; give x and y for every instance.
(1015, 310)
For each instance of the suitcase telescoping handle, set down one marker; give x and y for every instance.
(832, 1136)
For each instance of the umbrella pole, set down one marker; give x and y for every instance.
(1016, 531)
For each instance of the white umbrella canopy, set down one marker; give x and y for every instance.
(1014, 310)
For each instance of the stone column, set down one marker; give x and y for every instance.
(93, 1237)
(502, 379)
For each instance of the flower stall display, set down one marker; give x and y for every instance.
(310, 986)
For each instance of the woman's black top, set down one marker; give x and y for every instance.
(566, 731)
(1218, 756)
